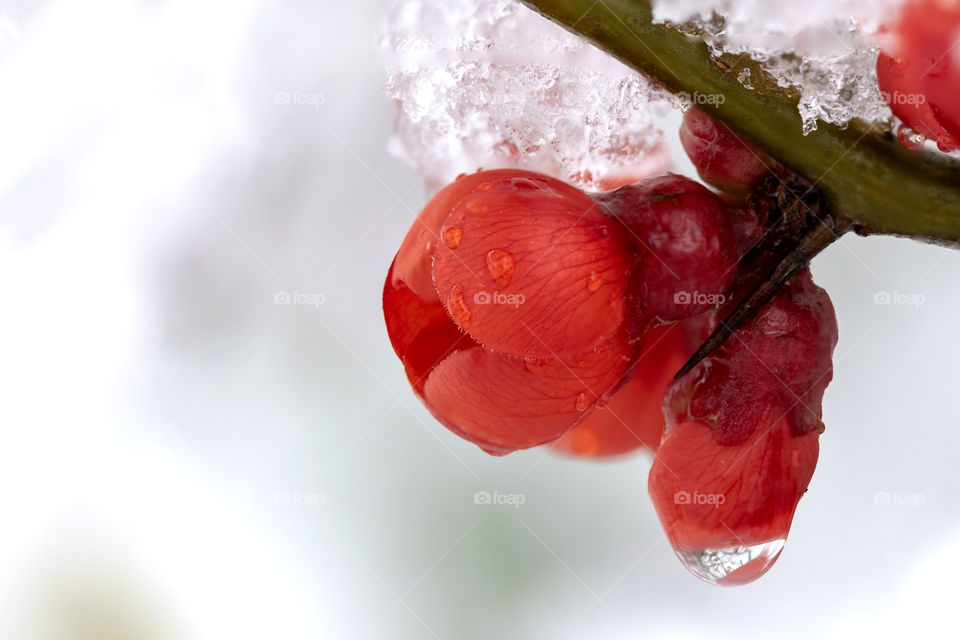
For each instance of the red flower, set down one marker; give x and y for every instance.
(505, 303)
(518, 305)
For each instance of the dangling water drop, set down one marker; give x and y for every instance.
(733, 565)
(458, 308)
(909, 138)
(452, 236)
(500, 264)
(594, 281)
(583, 401)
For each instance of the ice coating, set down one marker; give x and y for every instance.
(492, 84)
(827, 49)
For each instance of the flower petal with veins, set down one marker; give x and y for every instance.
(504, 403)
(633, 418)
(535, 269)
(414, 260)
(420, 331)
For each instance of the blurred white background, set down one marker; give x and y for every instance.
(183, 457)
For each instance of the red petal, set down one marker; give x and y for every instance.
(504, 403)
(531, 267)
(783, 355)
(633, 418)
(711, 496)
(415, 257)
(421, 332)
(928, 31)
(900, 86)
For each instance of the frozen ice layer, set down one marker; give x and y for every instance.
(826, 49)
(492, 84)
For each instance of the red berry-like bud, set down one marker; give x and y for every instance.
(722, 159)
(741, 440)
(686, 248)
(533, 268)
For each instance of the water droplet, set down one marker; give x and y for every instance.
(486, 186)
(733, 565)
(909, 138)
(583, 401)
(452, 236)
(501, 265)
(533, 364)
(594, 282)
(420, 235)
(476, 206)
(458, 308)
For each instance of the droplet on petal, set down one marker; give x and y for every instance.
(476, 206)
(594, 281)
(452, 237)
(501, 265)
(458, 308)
(583, 401)
(534, 364)
(909, 138)
(733, 565)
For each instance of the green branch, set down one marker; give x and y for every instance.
(865, 175)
